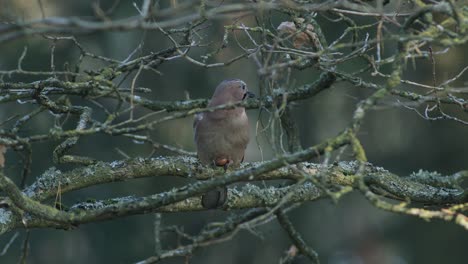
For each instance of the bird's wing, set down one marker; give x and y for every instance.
(197, 119)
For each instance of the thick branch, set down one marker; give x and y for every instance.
(415, 188)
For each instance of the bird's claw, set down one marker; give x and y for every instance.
(223, 162)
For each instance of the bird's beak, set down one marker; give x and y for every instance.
(250, 95)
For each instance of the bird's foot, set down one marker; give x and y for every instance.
(223, 162)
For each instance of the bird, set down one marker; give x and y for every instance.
(221, 136)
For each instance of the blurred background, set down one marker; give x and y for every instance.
(351, 231)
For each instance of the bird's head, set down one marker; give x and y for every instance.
(230, 91)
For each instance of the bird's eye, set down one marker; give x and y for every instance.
(243, 86)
